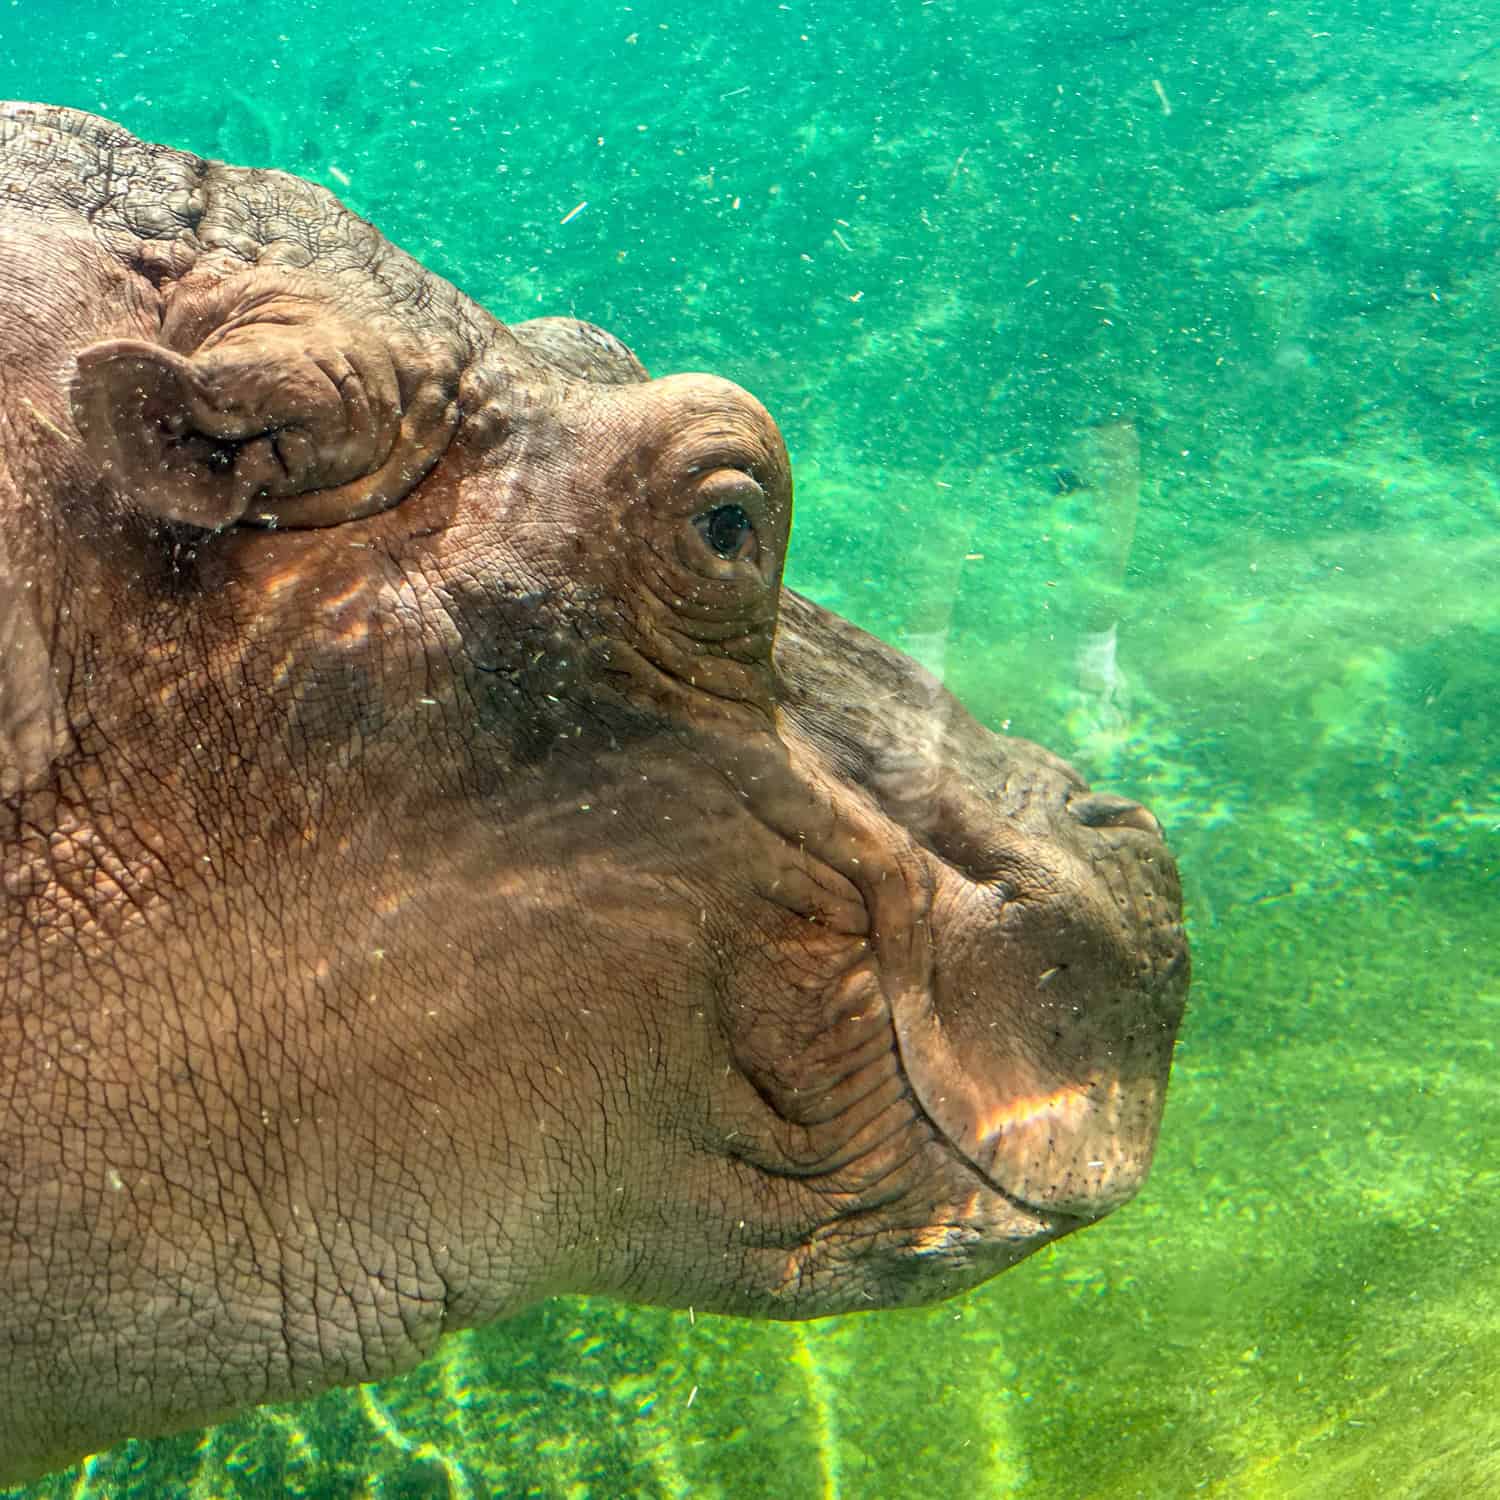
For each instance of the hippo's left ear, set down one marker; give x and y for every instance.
(268, 403)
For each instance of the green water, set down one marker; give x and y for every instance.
(950, 245)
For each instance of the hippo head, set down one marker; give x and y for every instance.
(443, 866)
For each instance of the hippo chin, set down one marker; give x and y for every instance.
(443, 867)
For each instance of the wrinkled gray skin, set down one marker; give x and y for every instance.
(425, 889)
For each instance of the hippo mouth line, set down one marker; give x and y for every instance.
(1047, 1214)
(1048, 1219)
(1045, 1220)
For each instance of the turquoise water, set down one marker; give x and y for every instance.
(1178, 318)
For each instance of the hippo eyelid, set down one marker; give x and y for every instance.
(727, 460)
(727, 475)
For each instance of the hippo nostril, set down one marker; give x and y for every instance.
(1100, 810)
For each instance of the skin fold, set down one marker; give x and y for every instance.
(440, 864)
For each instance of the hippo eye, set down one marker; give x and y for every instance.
(729, 530)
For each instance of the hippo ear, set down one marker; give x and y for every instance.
(283, 412)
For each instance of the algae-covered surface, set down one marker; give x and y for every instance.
(1173, 320)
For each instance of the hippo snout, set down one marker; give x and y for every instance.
(1043, 1048)
(1040, 1044)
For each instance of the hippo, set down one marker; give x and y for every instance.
(443, 867)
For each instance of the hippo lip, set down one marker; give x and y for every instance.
(1067, 1150)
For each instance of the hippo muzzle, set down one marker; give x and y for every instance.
(1033, 967)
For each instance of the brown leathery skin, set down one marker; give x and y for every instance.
(441, 866)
